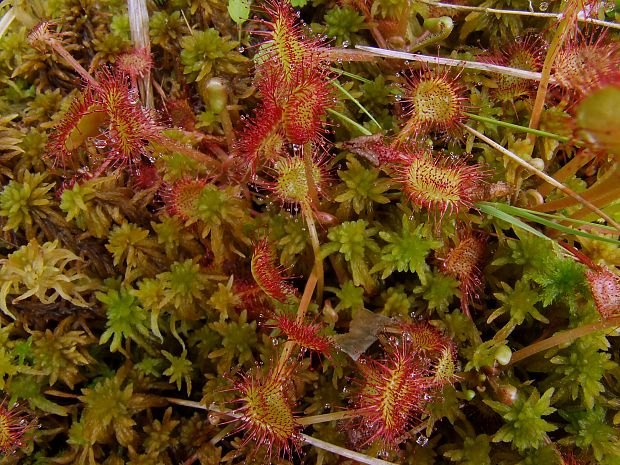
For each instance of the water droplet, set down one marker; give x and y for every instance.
(398, 97)
(275, 341)
(422, 440)
(241, 49)
(100, 143)
(543, 6)
(345, 43)
(609, 7)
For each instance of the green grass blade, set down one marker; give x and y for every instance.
(351, 75)
(537, 132)
(348, 120)
(554, 216)
(354, 100)
(489, 209)
(527, 214)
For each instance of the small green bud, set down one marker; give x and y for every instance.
(503, 354)
(215, 94)
(469, 394)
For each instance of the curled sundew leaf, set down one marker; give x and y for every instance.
(266, 412)
(268, 275)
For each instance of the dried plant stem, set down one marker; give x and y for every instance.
(599, 192)
(222, 434)
(60, 50)
(327, 417)
(568, 170)
(361, 458)
(67, 395)
(309, 168)
(304, 303)
(537, 14)
(561, 32)
(227, 127)
(191, 460)
(316, 248)
(337, 55)
(139, 27)
(542, 175)
(6, 20)
(563, 337)
(327, 446)
(187, 403)
(520, 73)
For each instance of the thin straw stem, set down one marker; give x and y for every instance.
(361, 458)
(6, 20)
(520, 73)
(139, 28)
(561, 31)
(304, 303)
(329, 447)
(540, 14)
(563, 337)
(327, 417)
(543, 176)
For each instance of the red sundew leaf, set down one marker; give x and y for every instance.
(438, 184)
(437, 347)
(287, 48)
(394, 391)
(464, 262)
(527, 53)
(605, 287)
(266, 413)
(182, 199)
(14, 424)
(131, 127)
(135, 63)
(435, 101)
(305, 333)
(585, 64)
(109, 113)
(262, 138)
(290, 183)
(604, 284)
(83, 120)
(425, 338)
(181, 114)
(307, 104)
(268, 275)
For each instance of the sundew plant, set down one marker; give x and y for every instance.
(318, 232)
